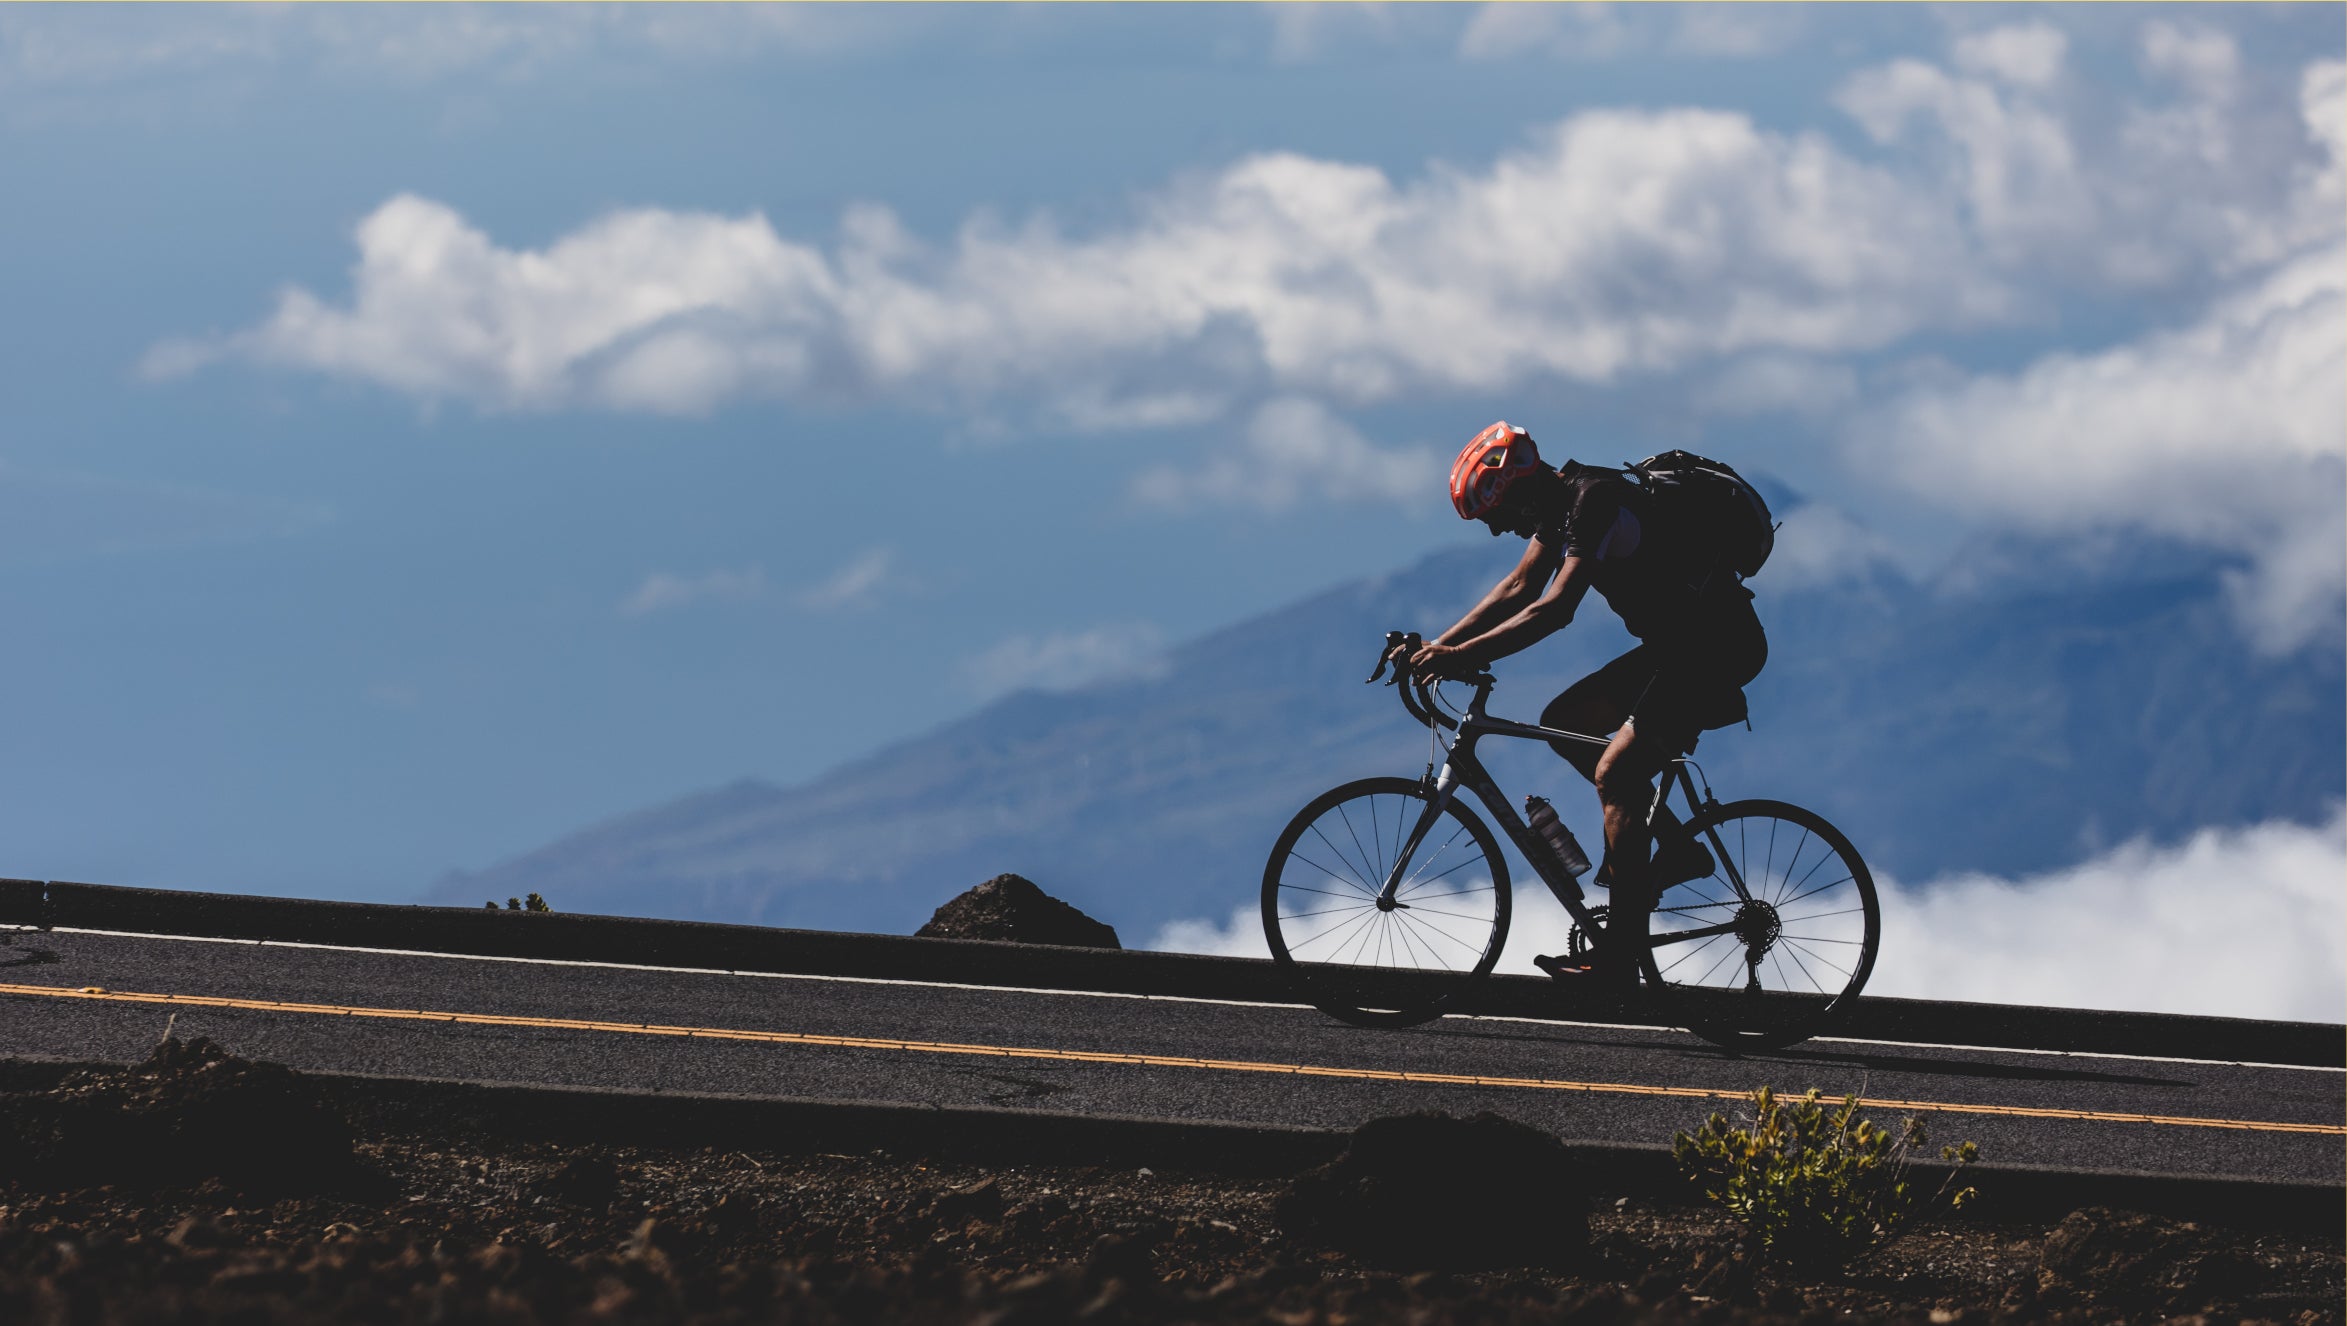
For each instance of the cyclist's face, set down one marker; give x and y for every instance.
(1510, 517)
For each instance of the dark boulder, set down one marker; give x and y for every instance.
(1430, 1192)
(189, 1113)
(2125, 1259)
(1011, 907)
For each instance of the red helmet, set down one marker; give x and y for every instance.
(1497, 457)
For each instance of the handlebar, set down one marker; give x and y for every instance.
(1414, 691)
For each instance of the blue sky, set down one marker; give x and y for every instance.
(431, 429)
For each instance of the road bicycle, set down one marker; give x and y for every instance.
(1387, 899)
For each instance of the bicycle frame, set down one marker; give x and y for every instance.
(1462, 769)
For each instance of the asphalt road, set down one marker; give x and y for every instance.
(89, 996)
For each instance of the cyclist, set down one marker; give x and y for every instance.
(1699, 644)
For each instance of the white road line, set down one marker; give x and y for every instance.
(1118, 994)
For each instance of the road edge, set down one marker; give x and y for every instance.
(634, 941)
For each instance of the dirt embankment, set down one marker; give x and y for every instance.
(413, 1221)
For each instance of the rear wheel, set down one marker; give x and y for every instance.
(1385, 965)
(1774, 943)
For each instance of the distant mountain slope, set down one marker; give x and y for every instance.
(1999, 730)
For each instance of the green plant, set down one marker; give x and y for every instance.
(1814, 1183)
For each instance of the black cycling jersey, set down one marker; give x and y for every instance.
(1656, 578)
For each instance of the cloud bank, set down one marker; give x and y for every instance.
(2240, 922)
(1767, 272)
(1616, 242)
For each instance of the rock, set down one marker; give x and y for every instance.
(2124, 1258)
(589, 1180)
(1430, 1192)
(190, 1112)
(977, 1201)
(1011, 907)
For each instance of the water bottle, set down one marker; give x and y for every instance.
(1543, 819)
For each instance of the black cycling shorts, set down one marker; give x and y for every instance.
(1675, 685)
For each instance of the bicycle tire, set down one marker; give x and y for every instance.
(1829, 962)
(1400, 970)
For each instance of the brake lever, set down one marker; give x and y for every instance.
(1394, 640)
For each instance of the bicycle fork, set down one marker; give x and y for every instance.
(1446, 785)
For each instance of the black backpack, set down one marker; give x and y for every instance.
(1713, 504)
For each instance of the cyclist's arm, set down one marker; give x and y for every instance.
(1507, 598)
(1543, 617)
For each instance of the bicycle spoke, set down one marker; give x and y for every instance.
(1332, 928)
(1439, 878)
(1306, 888)
(1428, 897)
(1414, 880)
(1691, 953)
(1325, 911)
(1819, 889)
(1437, 911)
(1829, 856)
(1340, 855)
(1457, 829)
(1353, 885)
(1377, 875)
(1735, 951)
(1813, 939)
(1789, 865)
(1822, 960)
(1846, 911)
(1813, 981)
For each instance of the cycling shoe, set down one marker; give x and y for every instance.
(1585, 971)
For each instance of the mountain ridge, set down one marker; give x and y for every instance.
(2003, 727)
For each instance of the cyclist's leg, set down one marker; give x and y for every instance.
(1625, 788)
(1601, 703)
(1597, 705)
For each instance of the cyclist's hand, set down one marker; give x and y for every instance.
(1433, 661)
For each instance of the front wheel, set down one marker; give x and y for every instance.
(1398, 962)
(1773, 942)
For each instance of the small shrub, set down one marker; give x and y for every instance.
(1817, 1185)
(533, 903)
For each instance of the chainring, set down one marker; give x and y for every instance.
(1577, 941)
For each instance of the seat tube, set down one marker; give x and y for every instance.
(1446, 785)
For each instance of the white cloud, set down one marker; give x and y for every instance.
(2025, 54)
(2227, 174)
(2242, 922)
(1820, 544)
(1067, 660)
(1616, 242)
(1296, 450)
(662, 592)
(1308, 29)
(855, 585)
(2202, 59)
(2245, 922)
(2230, 433)
(1737, 31)
(1514, 29)
(1585, 31)
(1239, 937)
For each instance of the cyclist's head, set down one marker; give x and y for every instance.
(1484, 479)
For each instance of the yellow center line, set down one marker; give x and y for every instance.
(1114, 1057)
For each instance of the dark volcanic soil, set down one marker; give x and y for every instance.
(438, 1225)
